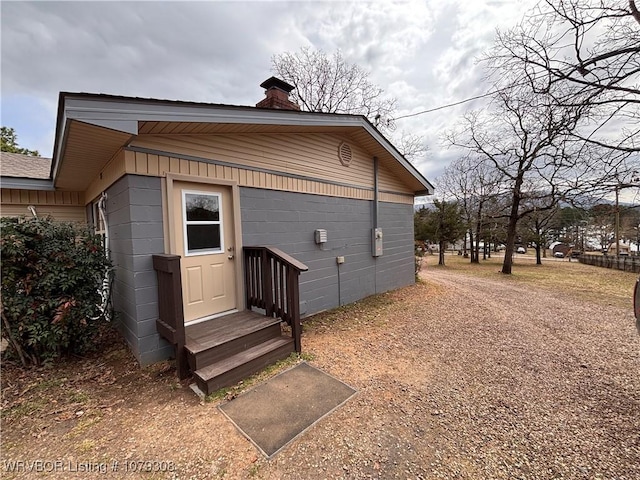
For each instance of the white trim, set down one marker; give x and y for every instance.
(210, 317)
(79, 107)
(19, 183)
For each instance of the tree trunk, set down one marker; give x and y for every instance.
(14, 343)
(472, 248)
(476, 258)
(538, 242)
(507, 264)
(441, 254)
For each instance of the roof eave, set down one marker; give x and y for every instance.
(125, 113)
(21, 183)
(119, 114)
(382, 140)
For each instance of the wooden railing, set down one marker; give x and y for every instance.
(621, 262)
(272, 284)
(171, 322)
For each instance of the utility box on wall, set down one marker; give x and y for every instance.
(376, 242)
(320, 236)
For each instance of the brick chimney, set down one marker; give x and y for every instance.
(277, 95)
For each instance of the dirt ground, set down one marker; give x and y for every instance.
(458, 377)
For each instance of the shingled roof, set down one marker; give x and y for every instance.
(24, 166)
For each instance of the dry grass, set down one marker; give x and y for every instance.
(468, 374)
(601, 285)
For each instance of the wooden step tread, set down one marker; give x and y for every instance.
(212, 333)
(228, 364)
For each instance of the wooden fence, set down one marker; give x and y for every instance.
(620, 262)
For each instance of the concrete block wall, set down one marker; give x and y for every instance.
(283, 219)
(288, 221)
(134, 216)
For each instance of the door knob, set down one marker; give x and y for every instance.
(230, 257)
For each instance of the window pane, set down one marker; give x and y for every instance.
(202, 207)
(203, 237)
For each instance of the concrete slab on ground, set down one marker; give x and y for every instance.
(274, 413)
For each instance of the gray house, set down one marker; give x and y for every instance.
(224, 220)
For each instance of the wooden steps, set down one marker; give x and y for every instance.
(223, 351)
(243, 364)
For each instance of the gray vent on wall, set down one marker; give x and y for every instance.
(344, 153)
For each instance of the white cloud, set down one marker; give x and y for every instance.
(422, 52)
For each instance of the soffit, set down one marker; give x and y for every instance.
(87, 149)
(198, 128)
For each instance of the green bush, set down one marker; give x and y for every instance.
(51, 273)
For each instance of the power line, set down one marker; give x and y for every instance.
(446, 106)
(441, 107)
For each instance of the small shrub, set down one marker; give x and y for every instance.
(51, 273)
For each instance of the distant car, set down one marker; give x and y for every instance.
(558, 255)
(521, 250)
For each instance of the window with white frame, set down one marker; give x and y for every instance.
(202, 217)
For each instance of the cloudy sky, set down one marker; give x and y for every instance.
(421, 52)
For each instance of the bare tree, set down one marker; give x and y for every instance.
(474, 183)
(538, 223)
(410, 145)
(527, 140)
(591, 50)
(563, 78)
(330, 84)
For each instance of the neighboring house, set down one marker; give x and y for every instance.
(199, 182)
(16, 169)
(560, 248)
(623, 248)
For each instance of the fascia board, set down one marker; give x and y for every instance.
(399, 157)
(60, 141)
(20, 183)
(117, 111)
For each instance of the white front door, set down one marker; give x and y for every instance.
(204, 233)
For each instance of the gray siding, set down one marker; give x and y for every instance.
(288, 221)
(134, 216)
(282, 219)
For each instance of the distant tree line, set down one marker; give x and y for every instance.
(562, 127)
(447, 224)
(9, 143)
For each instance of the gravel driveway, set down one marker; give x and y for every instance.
(457, 377)
(466, 377)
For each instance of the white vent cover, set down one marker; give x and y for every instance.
(344, 153)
